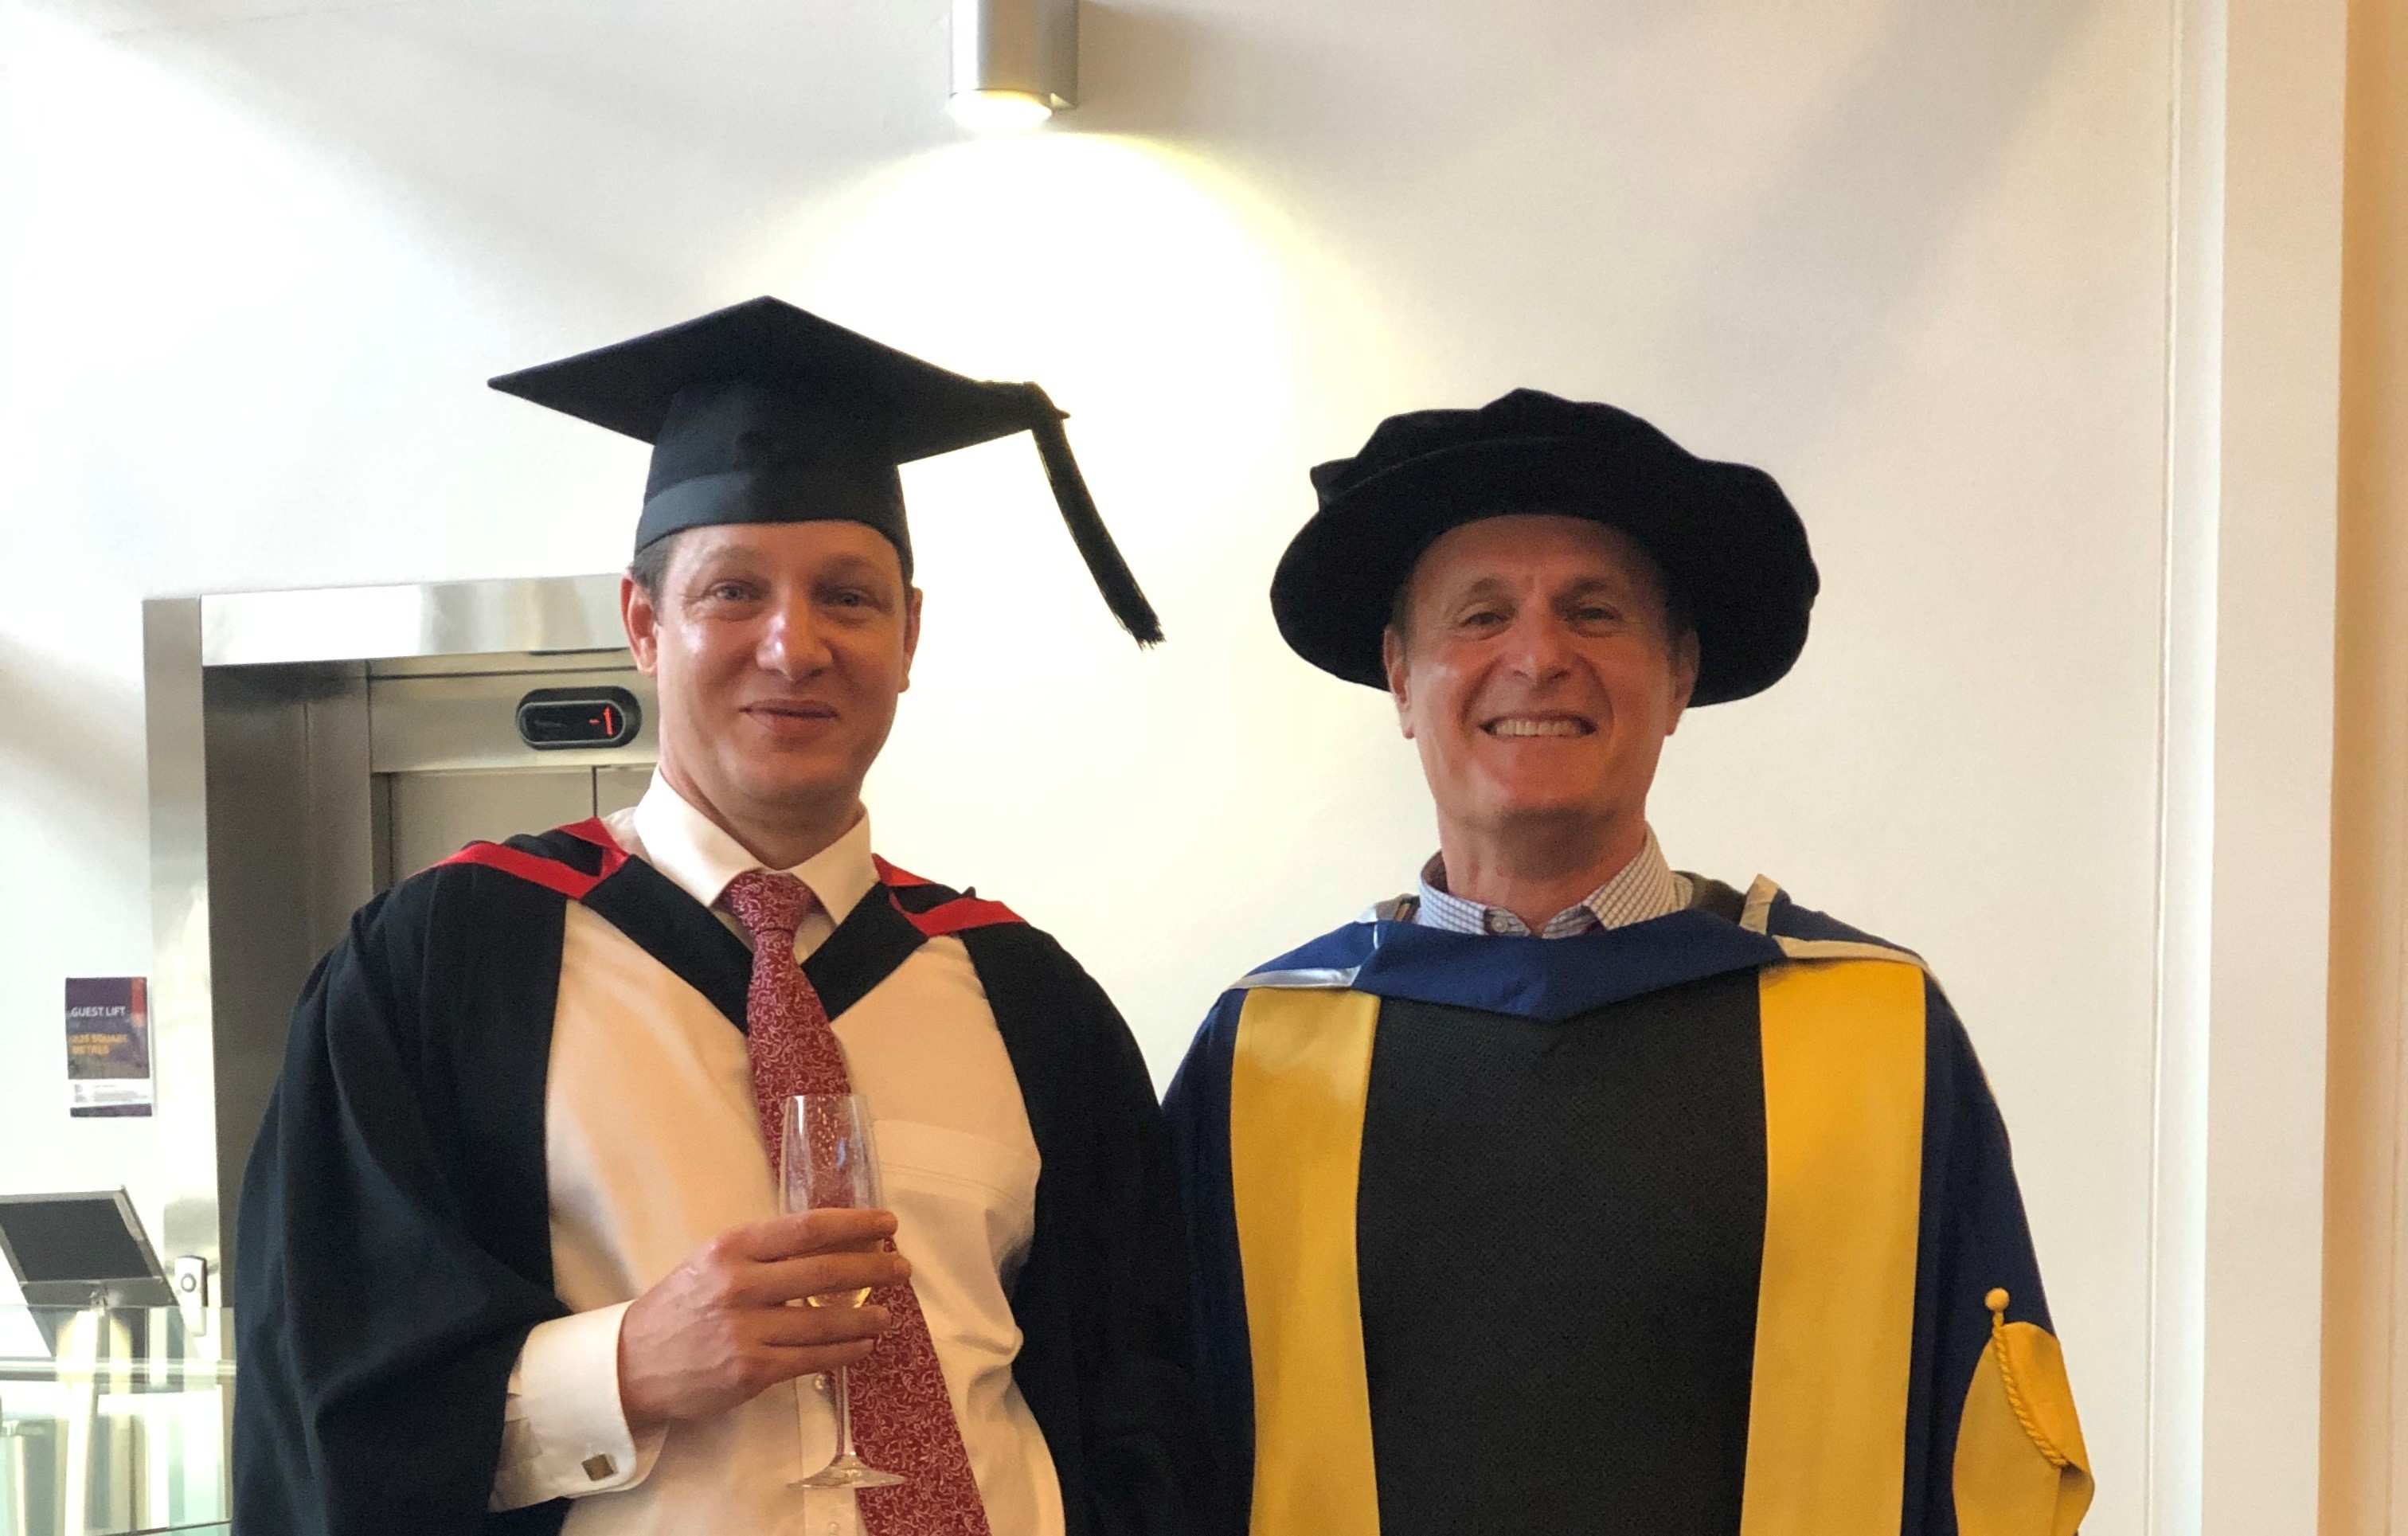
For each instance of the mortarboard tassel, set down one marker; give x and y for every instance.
(1112, 574)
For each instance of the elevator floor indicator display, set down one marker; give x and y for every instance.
(553, 718)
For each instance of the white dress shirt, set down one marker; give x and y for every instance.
(653, 1146)
(1643, 888)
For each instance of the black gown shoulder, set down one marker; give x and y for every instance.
(1102, 1301)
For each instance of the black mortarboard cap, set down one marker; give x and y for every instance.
(763, 413)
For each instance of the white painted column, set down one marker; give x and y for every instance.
(2252, 428)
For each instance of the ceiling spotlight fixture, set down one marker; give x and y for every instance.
(1015, 62)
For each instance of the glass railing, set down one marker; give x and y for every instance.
(113, 1422)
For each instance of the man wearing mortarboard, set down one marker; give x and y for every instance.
(1569, 1193)
(511, 1255)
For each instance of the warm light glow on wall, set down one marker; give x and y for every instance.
(1158, 298)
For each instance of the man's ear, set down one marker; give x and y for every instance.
(641, 619)
(1392, 661)
(1684, 676)
(910, 634)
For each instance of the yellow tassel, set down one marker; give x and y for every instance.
(1997, 1303)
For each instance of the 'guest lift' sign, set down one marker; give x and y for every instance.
(109, 1045)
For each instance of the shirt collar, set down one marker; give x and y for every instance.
(700, 857)
(1644, 888)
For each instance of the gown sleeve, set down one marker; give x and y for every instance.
(1995, 1447)
(387, 1274)
(1197, 1111)
(1151, 1458)
(1102, 1301)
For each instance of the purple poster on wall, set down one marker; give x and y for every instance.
(109, 1045)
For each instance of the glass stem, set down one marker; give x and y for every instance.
(843, 1418)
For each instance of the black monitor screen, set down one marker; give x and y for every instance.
(76, 1238)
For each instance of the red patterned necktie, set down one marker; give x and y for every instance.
(902, 1418)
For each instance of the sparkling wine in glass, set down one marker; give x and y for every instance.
(829, 1162)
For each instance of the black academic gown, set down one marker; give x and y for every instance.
(395, 1240)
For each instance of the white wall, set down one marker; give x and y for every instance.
(1911, 255)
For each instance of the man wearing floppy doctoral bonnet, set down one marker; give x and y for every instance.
(1568, 1192)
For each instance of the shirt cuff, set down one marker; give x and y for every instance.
(564, 1432)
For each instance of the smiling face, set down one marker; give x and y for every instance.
(780, 650)
(1537, 671)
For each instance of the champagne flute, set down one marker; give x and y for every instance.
(830, 1162)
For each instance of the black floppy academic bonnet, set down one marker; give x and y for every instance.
(1724, 535)
(763, 413)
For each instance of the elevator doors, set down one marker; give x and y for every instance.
(327, 782)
